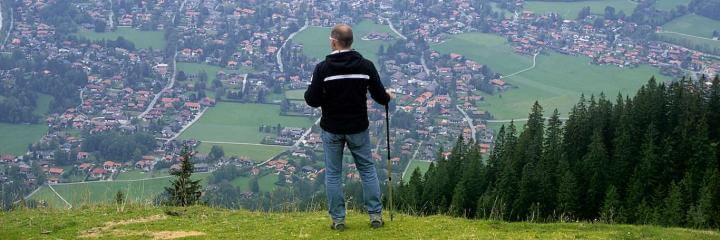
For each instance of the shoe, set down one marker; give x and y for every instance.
(339, 225)
(376, 221)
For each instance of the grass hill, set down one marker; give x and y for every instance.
(143, 222)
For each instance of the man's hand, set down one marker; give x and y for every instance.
(390, 92)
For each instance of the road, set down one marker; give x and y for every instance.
(174, 74)
(61, 197)
(307, 132)
(412, 159)
(188, 125)
(394, 30)
(10, 27)
(424, 65)
(278, 57)
(524, 70)
(469, 121)
(111, 16)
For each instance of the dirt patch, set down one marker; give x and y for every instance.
(99, 231)
(175, 234)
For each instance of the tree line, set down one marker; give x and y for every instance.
(648, 159)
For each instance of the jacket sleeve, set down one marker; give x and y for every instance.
(376, 88)
(314, 93)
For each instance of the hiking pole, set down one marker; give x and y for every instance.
(389, 163)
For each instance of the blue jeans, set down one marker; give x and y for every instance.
(359, 145)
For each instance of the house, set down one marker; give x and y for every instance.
(55, 171)
(82, 155)
(98, 173)
(7, 158)
(85, 167)
(193, 106)
(201, 167)
(145, 164)
(111, 166)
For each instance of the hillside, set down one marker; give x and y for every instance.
(140, 222)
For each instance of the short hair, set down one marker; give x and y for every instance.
(343, 34)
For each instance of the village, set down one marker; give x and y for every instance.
(135, 89)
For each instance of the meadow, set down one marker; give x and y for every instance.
(297, 94)
(141, 39)
(557, 81)
(202, 222)
(257, 153)
(667, 5)
(265, 182)
(240, 122)
(95, 192)
(570, 10)
(415, 164)
(693, 24)
(317, 45)
(15, 138)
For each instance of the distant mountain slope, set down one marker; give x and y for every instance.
(141, 222)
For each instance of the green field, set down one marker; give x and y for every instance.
(667, 5)
(15, 138)
(142, 191)
(141, 39)
(137, 174)
(570, 10)
(491, 50)
(266, 183)
(693, 24)
(196, 68)
(317, 45)
(202, 222)
(297, 94)
(256, 153)
(557, 80)
(423, 165)
(240, 122)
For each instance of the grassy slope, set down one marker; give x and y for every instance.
(570, 10)
(210, 223)
(316, 43)
(104, 191)
(557, 81)
(141, 39)
(238, 122)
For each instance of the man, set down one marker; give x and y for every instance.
(340, 85)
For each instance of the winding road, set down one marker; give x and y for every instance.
(10, 26)
(278, 56)
(524, 70)
(394, 30)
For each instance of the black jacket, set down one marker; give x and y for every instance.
(340, 85)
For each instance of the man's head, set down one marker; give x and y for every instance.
(341, 37)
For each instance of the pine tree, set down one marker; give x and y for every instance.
(254, 185)
(674, 205)
(610, 210)
(594, 167)
(183, 190)
(567, 198)
(552, 152)
(457, 206)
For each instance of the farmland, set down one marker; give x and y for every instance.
(240, 122)
(297, 94)
(266, 182)
(104, 191)
(692, 24)
(570, 10)
(141, 39)
(316, 44)
(557, 81)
